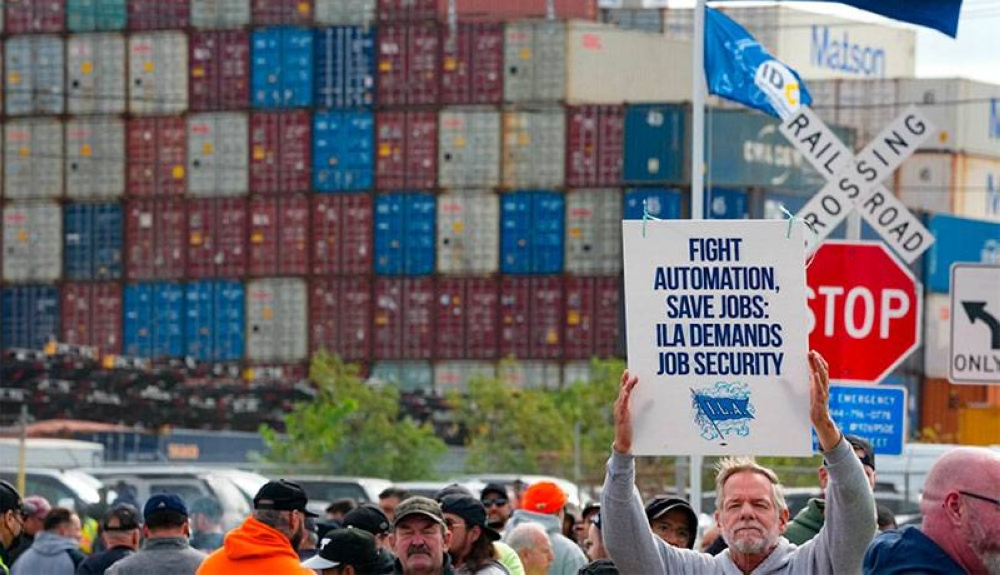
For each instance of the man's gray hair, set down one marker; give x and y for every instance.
(525, 536)
(732, 465)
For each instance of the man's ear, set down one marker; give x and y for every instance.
(783, 520)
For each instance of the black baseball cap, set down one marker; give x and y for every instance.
(163, 502)
(125, 515)
(355, 547)
(471, 510)
(660, 506)
(862, 444)
(282, 495)
(493, 488)
(369, 518)
(10, 499)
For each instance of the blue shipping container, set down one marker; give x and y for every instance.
(154, 316)
(655, 143)
(95, 15)
(959, 240)
(662, 203)
(343, 151)
(282, 67)
(405, 226)
(345, 67)
(213, 324)
(531, 232)
(30, 316)
(725, 204)
(93, 241)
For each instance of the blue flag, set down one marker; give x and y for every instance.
(738, 68)
(941, 15)
(723, 408)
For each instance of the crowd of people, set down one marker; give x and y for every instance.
(500, 531)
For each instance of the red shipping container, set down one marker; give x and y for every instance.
(485, 10)
(279, 235)
(155, 238)
(280, 153)
(408, 64)
(531, 314)
(397, 10)
(157, 157)
(92, 315)
(407, 150)
(219, 73)
(403, 321)
(28, 16)
(594, 145)
(593, 317)
(217, 232)
(273, 12)
(158, 14)
(468, 318)
(340, 316)
(472, 64)
(342, 234)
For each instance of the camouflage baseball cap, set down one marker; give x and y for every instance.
(419, 506)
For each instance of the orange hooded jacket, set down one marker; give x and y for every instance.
(254, 549)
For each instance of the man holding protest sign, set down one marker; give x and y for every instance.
(751, 510)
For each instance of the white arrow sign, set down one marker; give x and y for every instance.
(854, 183)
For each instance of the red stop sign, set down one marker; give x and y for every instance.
(864, 309)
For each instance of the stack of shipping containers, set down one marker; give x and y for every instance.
(421, 191)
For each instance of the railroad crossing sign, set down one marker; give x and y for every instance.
(975, 324)
(855, 182)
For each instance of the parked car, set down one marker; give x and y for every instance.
(71, 488)
(191, 483)
(322, 489)
(510, 479)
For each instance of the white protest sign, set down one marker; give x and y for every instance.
(716, 333)
(855, 182)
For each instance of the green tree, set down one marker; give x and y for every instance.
(353, 428)
(513, 430)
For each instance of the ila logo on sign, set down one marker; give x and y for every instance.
(842, 55)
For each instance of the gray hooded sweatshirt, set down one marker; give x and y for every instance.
(837, 549)
(569, 558)
(49, 554)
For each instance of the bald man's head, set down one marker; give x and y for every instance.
(961, 507)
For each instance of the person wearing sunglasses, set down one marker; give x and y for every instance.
(961, 527)
(12, 516)
(497, 504)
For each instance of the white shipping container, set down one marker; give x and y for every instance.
(530, 374)
(403, 375)
(577, 371)
(534, 61)
(455, 376)
(469, 148)
(964, 185)
(966, 113)
(937, 335)
(468, 232)
(34, 83)
(95, 158)
(158, 73)
(534, 148)
(32, 242)
(95, 73)
(607, 65)
(33, 159)
(218, 154)
(867, 106)
(344, 12)
(276, 320)
(220, 14)
(593, 232)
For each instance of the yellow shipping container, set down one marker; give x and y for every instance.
(979, 425)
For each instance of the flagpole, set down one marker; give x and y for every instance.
(698, 113)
